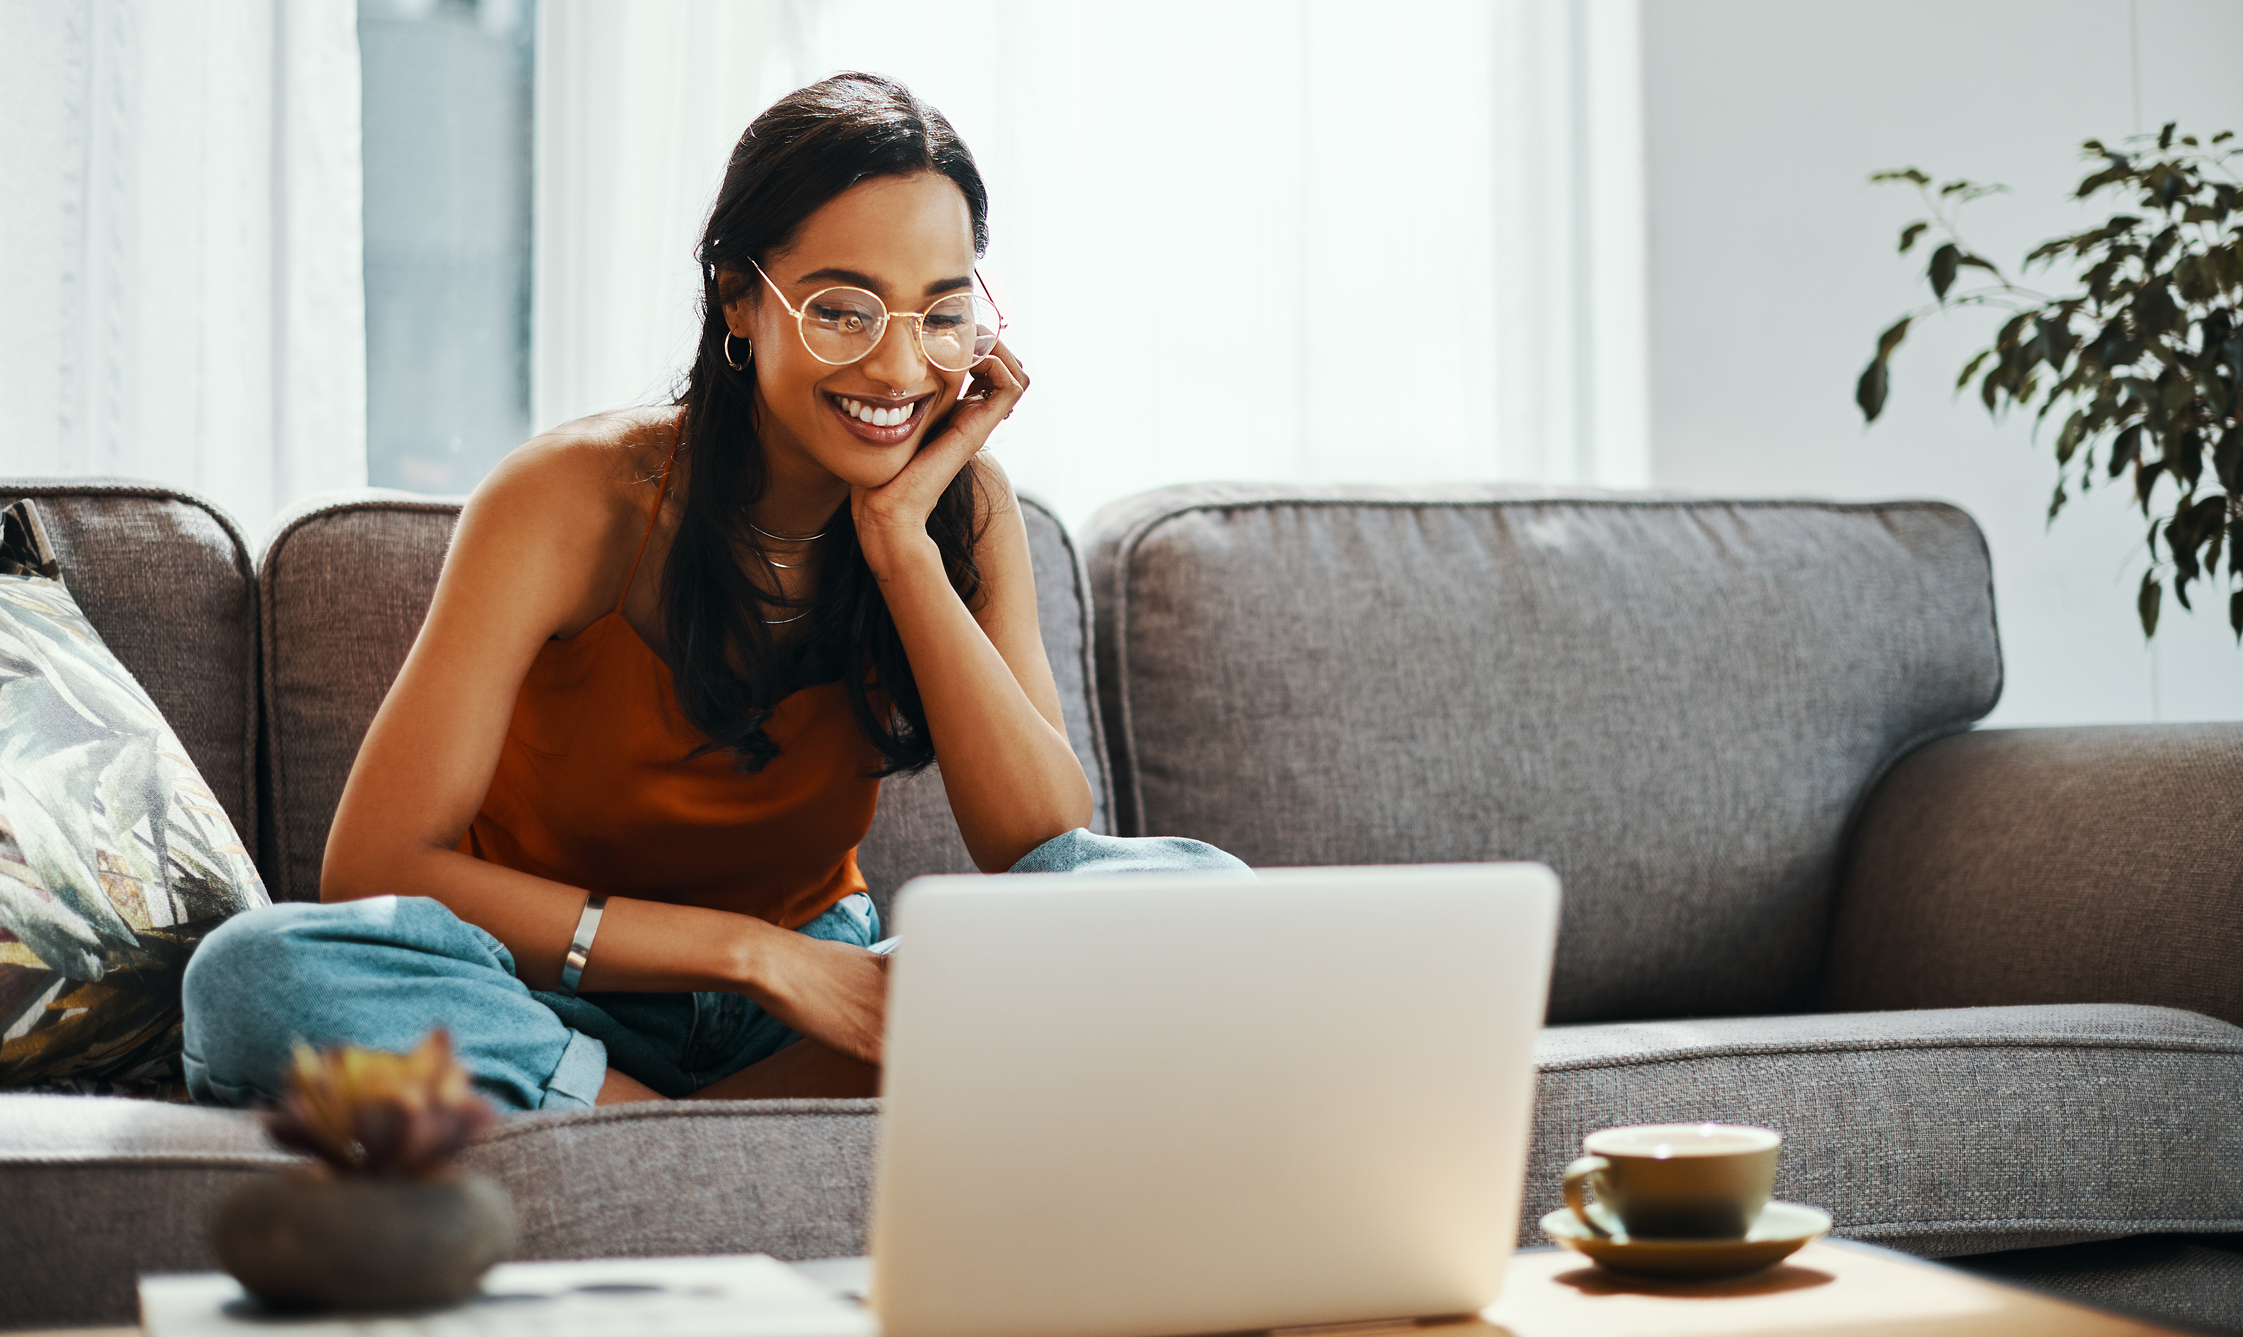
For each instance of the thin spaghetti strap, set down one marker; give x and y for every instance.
(651, 522)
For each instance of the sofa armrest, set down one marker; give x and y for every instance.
(2013, 866)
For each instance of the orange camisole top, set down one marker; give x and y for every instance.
(595, 787)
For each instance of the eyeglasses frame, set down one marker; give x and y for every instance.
(918, 319)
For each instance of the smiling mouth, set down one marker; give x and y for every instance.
(884, 424)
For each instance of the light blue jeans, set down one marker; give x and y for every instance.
(381, 972)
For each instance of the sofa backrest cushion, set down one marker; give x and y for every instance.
(1674, 703)
(165, 578)
(347, 582)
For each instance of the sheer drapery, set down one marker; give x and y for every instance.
(1236, 238)
(179, 245)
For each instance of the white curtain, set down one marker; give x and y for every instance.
(179, 246)
(1394, 242)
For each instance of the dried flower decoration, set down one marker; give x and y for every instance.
(389, 1116)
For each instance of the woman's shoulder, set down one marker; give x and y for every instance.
(605, 465)
(562, 515)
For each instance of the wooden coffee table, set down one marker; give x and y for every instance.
(1829, 1287)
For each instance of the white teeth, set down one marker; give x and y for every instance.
(877, 417)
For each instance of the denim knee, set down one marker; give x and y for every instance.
(1085, 851)
(240, 989)
(378, 973)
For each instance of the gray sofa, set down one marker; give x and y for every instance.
(1982, 980)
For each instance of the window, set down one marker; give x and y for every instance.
(446, 124)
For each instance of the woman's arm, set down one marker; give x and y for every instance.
(543, 549)
(992, 707)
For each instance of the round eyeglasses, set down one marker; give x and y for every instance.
(843, 325)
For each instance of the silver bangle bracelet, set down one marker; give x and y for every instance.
(580, 947)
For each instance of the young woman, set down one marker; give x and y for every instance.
(626, 766)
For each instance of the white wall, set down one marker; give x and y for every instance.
(1772, 270)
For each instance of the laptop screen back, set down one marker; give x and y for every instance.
(1173, 1103)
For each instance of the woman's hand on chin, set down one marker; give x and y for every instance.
(891, 519)
(833, 992)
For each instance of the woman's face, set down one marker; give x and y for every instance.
(907, 240)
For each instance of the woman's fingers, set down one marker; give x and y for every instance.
(832, 992)
(996, 385)
(1002, 362)
(1014, 365)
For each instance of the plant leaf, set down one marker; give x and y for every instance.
(2160, 246)
(1870, 392)
(1909, 234)
(1971, 369)
(2147, 603)
(2126, 449)
(2145, 479)
(2227, 460)
(2067, 440)
(1943, 265)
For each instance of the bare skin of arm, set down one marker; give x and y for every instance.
(992, 706)
(544, 549)
(513, 579)
(1012, 779)
(992, 709)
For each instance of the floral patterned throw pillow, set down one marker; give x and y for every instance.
(115, 857)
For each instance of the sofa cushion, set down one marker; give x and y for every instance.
(347, 581)
(166, 580)
(345, 584)
(115, 858)
(2049, 866)
(1948, 1132)
(2193, 1281)
(1676, 704)
(98, 1190)
(792, 1178)
(1937, 1132)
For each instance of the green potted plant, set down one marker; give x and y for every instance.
(2144, 346)
(380, 1220)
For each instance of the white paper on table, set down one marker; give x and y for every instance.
(742, 1295)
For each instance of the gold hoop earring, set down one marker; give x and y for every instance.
(736, 366)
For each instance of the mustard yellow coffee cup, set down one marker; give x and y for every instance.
(1673, 1180)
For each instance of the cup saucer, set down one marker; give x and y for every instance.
(1782, 1229)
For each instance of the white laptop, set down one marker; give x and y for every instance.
(1136, 1105)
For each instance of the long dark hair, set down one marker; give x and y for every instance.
(808, 147)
